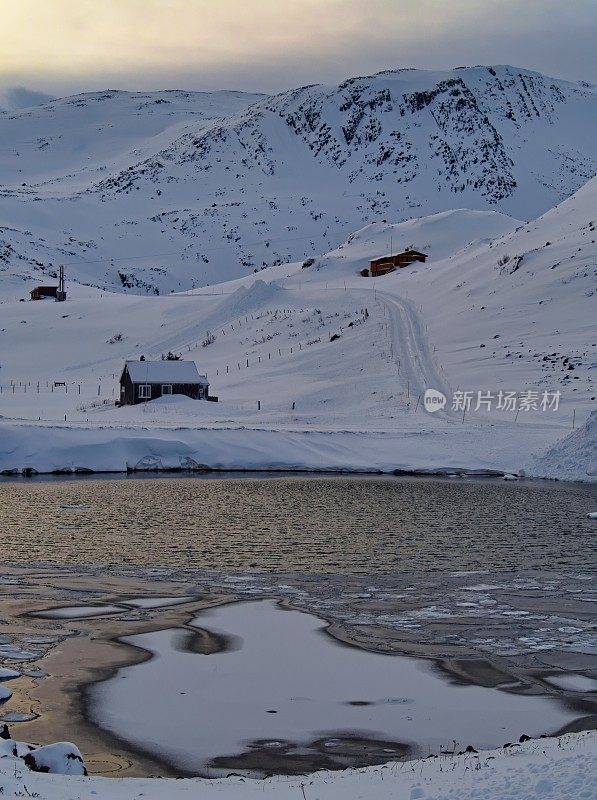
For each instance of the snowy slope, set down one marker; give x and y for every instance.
(60, 138)
(281, 378)
(562, 767)
(149, 194)
(513, 311)
(519, 312)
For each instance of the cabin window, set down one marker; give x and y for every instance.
(145, 391)
(166, 388)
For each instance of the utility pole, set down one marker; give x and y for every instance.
(61, 294)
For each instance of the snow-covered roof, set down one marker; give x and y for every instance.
(164, 372)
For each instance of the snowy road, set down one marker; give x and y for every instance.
(412, 352)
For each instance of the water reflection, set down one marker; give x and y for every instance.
(325, 524)
(274, 694)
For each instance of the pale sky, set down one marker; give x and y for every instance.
(68, 46)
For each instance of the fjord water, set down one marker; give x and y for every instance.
(339, 524)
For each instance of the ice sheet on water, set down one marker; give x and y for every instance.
(573, 682)
(16, 653)
(40, 639)
(5, 694)
(17, 716)
(77, 612)
(158, 602)
(7, 674)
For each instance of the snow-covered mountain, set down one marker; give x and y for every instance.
(169, 190)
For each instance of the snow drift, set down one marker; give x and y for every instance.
(573, 456)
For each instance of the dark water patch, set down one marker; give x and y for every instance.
(329, 524)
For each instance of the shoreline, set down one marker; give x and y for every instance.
(483, 451)
(460, 472)
(560, 766)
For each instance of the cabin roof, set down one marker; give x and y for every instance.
(383, 259)
(165, 372)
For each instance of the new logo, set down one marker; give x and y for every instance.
(434, 400)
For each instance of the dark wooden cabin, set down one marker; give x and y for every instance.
(44, 291)
(147, 380)
(385, 264)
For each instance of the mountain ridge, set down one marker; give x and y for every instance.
(227, 184)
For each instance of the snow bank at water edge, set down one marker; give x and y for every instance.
(563, 767)
(448, 449)
(571, 457)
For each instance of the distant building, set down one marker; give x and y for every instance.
(43, 291)
(385, 264)
(147, 380)
(57, 292)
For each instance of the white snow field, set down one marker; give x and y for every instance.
(561, 768)
(470, 319)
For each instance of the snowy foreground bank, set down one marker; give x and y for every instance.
(449, 448)
(561, 768)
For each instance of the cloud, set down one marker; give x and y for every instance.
(275, 44)
(15, 97)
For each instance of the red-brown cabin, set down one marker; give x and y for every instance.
(43, 291)
(385, 264)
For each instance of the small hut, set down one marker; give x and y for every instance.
(141, 381)
(385, 264)
(43, 291)
(57, 292)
